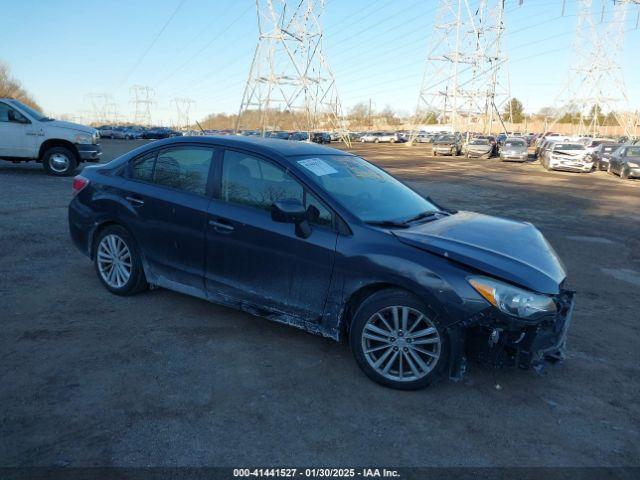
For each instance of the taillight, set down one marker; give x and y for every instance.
(79, 183)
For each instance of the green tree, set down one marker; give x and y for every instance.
(514, 111)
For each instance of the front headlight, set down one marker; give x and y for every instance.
(84, 139)
(512, 300)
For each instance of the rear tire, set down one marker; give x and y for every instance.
(117, 262)
(397, 353)
(59, 161)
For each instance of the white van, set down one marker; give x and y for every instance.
(28, 135)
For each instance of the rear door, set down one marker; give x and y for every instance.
(167, 195)
(253, 259)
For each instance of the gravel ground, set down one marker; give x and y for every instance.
(162, 379)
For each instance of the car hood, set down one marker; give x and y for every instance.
(479, 147)
(570, 153)
(515, 149)
(513, 251)
(71, 126)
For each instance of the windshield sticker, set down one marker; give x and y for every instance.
(317, 166)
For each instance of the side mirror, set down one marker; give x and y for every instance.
(292, 211)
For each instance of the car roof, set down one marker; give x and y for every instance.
(265, 146)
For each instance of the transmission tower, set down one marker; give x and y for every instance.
(183, 108)
(290, 80)
(142, 100)
(595, 90)
(103, 107)
(463, 85)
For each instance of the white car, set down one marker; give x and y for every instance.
(568, 156)
(379, 137)
(28, 135)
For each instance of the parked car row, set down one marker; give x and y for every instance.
(586, 155)
(136, 132)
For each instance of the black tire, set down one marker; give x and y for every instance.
(137, 281)
(389, 298)
(376, 141)
(51, 161)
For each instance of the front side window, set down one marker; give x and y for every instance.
(632, 152)
(368, 192)
(251, 181)
(184, 168)
(4, 112)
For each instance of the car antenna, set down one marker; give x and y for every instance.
(200, 127)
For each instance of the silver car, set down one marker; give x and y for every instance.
(514, 150)
(478, 147)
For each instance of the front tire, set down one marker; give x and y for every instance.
(59, 161)
(397, 341)
(118, 263)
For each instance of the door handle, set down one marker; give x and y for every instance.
(221, 226)
(138, 202)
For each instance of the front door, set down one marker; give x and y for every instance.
(167, 197)
(14, 141)
(253, 259)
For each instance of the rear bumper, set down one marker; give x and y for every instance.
(89, 153)
(81, 226)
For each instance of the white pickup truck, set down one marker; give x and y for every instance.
(28, 135)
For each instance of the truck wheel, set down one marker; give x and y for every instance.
(59, 161)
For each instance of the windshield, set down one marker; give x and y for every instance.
(610, 148)
(39, 116)
(446, 138)
(568, 146)
(369, 193)
(514, 143)
(633, 152)
(479, 142)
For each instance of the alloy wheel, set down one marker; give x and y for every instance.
(401, 343)
(114, 261)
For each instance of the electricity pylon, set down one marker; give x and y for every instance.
(290, 82)
(103, 107)
(183, 108)
(463, 85)
(595, 92)
(142, 100)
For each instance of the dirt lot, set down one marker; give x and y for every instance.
(90, 379)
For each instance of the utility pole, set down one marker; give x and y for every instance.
(595, 84)
(369, 116)
(289, 75)
(462, 84)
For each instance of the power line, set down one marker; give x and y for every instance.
(151, 45)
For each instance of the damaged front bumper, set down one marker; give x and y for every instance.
(492, 338)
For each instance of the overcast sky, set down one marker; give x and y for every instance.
(64, 49)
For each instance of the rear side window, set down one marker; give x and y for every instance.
(185, 168)
(142, 168)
